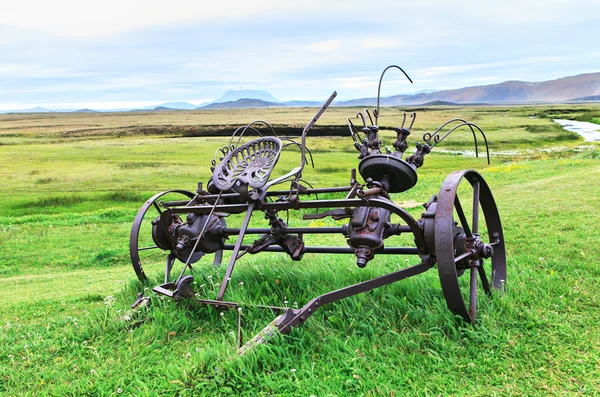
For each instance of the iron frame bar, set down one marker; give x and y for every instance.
(300, 315)
(314, 204)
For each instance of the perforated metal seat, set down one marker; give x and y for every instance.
(250, 164)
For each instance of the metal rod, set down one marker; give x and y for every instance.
(379, 87)
(330, 250)
(308, 192)
(289, 230)
(309, 309)
(285, 205)
(147, 248)
(473, 293)
(187, 262)
(236, 249)
(484, 280)
(463, 256)
(475, 224)
(461, 216)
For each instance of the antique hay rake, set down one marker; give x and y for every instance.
(459, 241)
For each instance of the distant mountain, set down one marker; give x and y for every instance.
(234, 95)
(37, 109)
(243, 103)
(580, 88)
(592, 98)
(86, 111)
(561, 89)
(301, 104)
(173, 105)
(162, 109)
(439, 103)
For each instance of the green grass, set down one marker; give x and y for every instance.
(66, 207)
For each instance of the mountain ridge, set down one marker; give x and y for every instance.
(577, 88)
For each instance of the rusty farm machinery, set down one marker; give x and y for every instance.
(459, 231)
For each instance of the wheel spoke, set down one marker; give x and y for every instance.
(473, 293)
(485, 283)
(475, 223)
(147, 248)
(141, 232)
(462, 256)
(461, 216)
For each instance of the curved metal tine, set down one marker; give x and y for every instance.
(379, 88)
(366, 111)
(224, 151)
(435, 133)
(468, 123)
(437, 139)
(403, 120)
(254, 129)
(376, 113)
(487, 149)
(353, 132)
(292, 142)
(362, 116)
(475, 140)
(233, 136)
(413, 115)
(473, 293)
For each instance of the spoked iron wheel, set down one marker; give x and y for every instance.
(469, 244)
(145, 255)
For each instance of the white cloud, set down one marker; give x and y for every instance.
(377, 43)
(78, 18)
(325, 46)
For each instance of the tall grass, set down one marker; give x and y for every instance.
(66, 285)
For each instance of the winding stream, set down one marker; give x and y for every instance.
(589, 131)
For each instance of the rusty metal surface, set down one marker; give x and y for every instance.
(459, 234)
(134, 248)
(250, 163)
(474, 252)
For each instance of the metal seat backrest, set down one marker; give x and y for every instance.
(250, 164)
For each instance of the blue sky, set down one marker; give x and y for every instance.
(113, 54)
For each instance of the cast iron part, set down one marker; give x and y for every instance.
(460, 233)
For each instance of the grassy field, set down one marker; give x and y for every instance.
(72, 184)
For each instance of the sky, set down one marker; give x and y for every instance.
(109, 54)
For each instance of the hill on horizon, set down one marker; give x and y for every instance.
(579, 88)
(234, 95)
(243, 103)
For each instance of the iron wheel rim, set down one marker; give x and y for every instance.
(134, 242)
(487, 277)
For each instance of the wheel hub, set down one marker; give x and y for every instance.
(478, 249)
